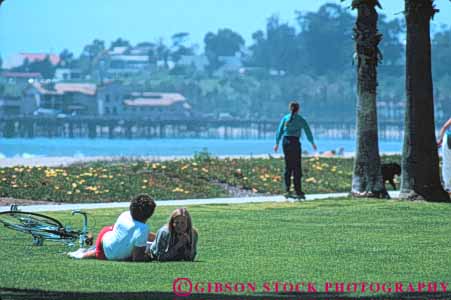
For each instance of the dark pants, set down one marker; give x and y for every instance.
(292, 152)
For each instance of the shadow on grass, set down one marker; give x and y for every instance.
(30, 294)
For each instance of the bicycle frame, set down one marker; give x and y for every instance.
(43, 227)
(84, 231)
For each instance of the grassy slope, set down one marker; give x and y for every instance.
(328, 240)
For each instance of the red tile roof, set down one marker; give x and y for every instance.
(61, 88)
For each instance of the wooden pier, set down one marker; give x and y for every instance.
(111, 127)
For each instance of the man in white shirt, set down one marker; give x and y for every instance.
(127, 238)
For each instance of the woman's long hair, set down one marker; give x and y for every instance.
(293, 106)
(190, 230)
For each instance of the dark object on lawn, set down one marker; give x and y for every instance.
(389, 171)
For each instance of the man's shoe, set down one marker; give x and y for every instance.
(78, 254)
(300, 196)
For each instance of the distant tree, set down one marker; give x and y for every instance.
(120, 43)
(279, 49)
(45, 67)
(1, 63)
(1, 1)
(420, 177)
(325, 37)
(94, 49)
(146, 44)
(163, 52)
(367, 175)
(178, 48)
(66, 59)
(90, 56)
(224, 43)
(179, 38)
(441, 57)
(391, 46)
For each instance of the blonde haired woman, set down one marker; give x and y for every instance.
(177, 240)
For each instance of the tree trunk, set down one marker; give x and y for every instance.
(420, 165)
(367, 176)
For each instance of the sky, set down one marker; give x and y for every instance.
(51, 25)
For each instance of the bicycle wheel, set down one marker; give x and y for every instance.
(33, 223)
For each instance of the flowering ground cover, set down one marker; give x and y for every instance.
(199, 177)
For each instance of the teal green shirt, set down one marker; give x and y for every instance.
(293, 128)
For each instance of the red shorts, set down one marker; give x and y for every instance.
(99, 247)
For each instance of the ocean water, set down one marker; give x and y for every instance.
(46, 147)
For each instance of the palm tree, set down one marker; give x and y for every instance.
(420, 164)
(367, 176)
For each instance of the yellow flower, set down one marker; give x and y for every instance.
(74, 185)
(69, 193)
(144, 180)
(311, 179)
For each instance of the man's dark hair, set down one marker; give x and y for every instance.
(142, 207)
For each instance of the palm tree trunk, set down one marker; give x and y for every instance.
(367, 176)
(420, 165)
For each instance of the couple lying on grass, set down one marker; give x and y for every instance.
(130, 238)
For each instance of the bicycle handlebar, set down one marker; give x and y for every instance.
(77, 211)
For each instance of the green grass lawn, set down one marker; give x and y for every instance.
(328, 240)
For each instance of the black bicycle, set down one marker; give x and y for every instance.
(42, 227)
